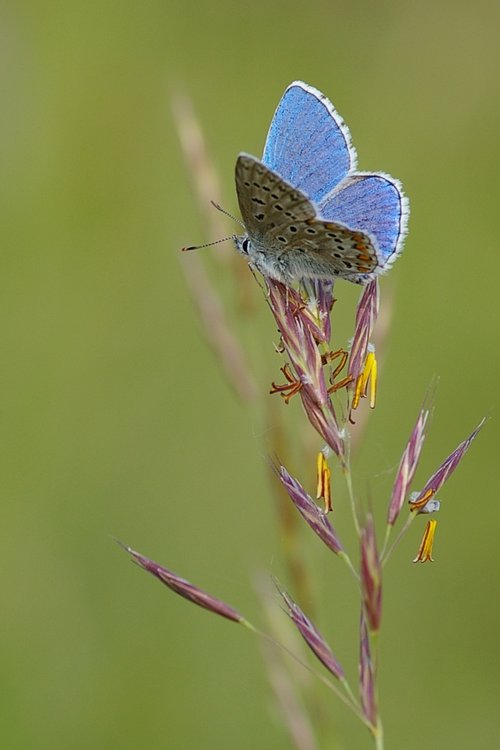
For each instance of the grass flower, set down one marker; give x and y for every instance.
(370, 576)
(312, 515)
(314, 370)
(184, 588)
(407, 467)
(313, 637)
(367, 678)
(302, 329)
(446, 469)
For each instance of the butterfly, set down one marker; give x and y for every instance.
(307, 212)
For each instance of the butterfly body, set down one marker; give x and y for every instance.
(307, 212)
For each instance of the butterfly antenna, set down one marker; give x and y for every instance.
(223, 211)
(207, 244)
(216, 242)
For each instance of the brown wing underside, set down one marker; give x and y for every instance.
(280, 218)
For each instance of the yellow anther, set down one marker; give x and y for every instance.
(323, 475)
(424, 553)
(367, 378)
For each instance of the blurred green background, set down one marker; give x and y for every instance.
(118, 422)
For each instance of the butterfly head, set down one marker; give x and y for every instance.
(242, 244)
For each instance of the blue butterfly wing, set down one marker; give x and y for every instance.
(374, 204)
(308, 143)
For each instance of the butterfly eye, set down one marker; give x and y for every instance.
(244, 245)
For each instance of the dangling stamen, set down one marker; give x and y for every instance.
(289, 389)
(323, 477)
